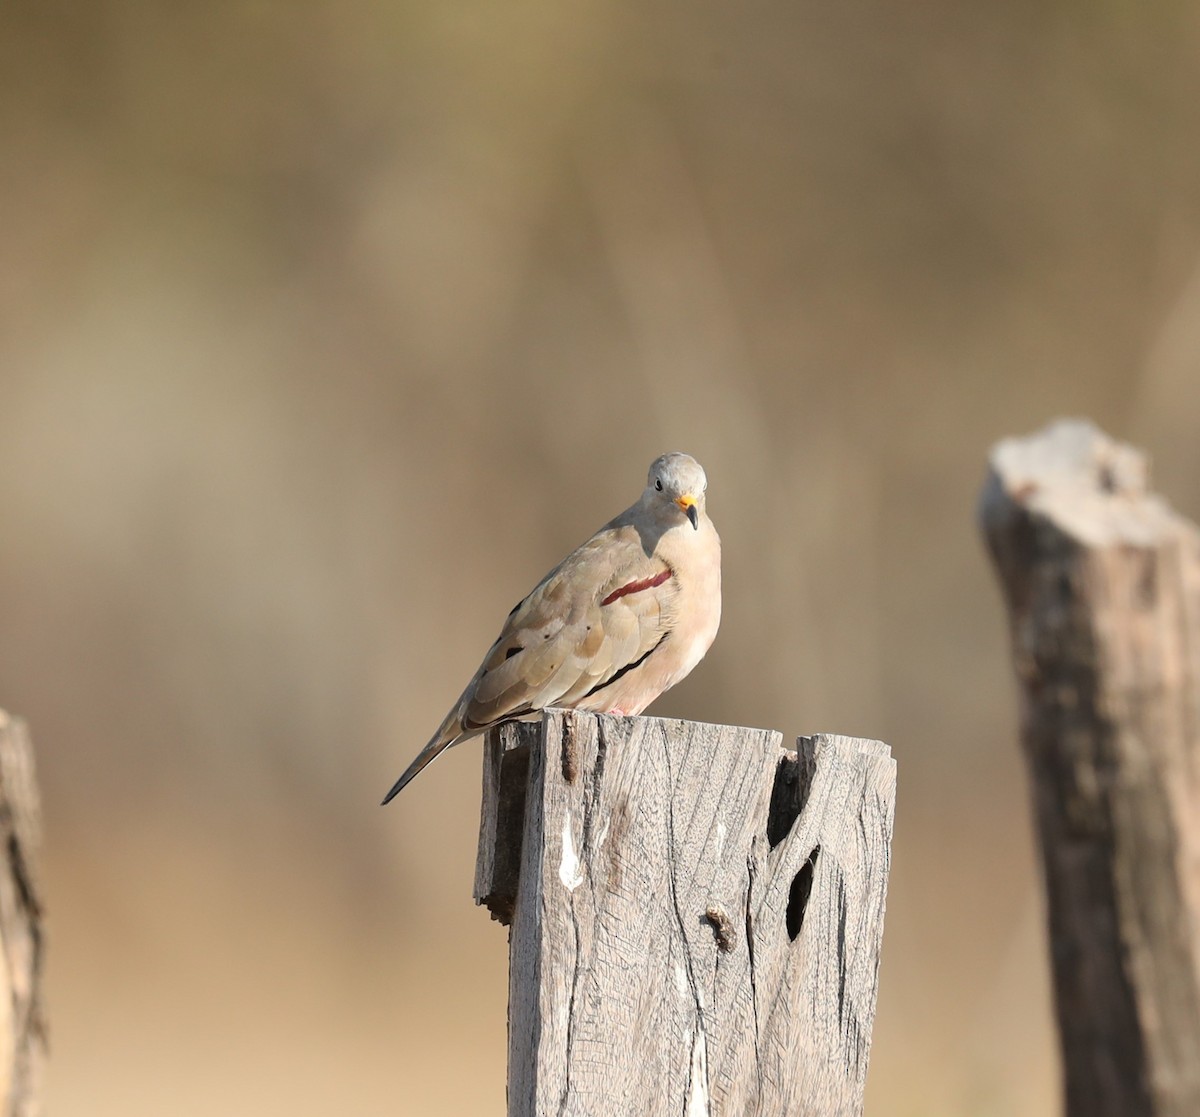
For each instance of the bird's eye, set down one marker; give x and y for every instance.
(658, 483)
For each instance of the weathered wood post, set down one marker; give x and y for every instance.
(1102, 584)
(695, 915)
(22, 1031)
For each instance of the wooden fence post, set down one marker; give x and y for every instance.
(1102, 585)
(695, 915)
(22, 1030)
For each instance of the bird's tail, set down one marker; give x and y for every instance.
(450, 733)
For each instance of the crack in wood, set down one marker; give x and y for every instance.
(576, 977)
(672, 863)
(799, 893)
(570, 745)
(841, 949)
(570, 751)
(753, 977)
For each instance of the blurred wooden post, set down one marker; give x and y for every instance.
(696, 915)
(22, 1032)
(1102, 583)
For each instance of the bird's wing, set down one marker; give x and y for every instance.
(599, 612)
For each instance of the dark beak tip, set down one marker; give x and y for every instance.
(694, 516)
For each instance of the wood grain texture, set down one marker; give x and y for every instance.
(22, 1031)
(502, 820)
(1102, 585)
(697, 920)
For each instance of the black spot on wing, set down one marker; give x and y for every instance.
(514, 650)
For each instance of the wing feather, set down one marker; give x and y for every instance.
(560, 642)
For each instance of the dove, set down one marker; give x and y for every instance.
(621, 619)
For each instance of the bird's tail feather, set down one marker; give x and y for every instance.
(450, 733)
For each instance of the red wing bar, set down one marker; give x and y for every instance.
(637, 587)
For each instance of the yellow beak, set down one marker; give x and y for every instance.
(688, 503)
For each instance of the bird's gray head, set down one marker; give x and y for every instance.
(676, 485)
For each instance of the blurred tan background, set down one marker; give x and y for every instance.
(326, 328)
